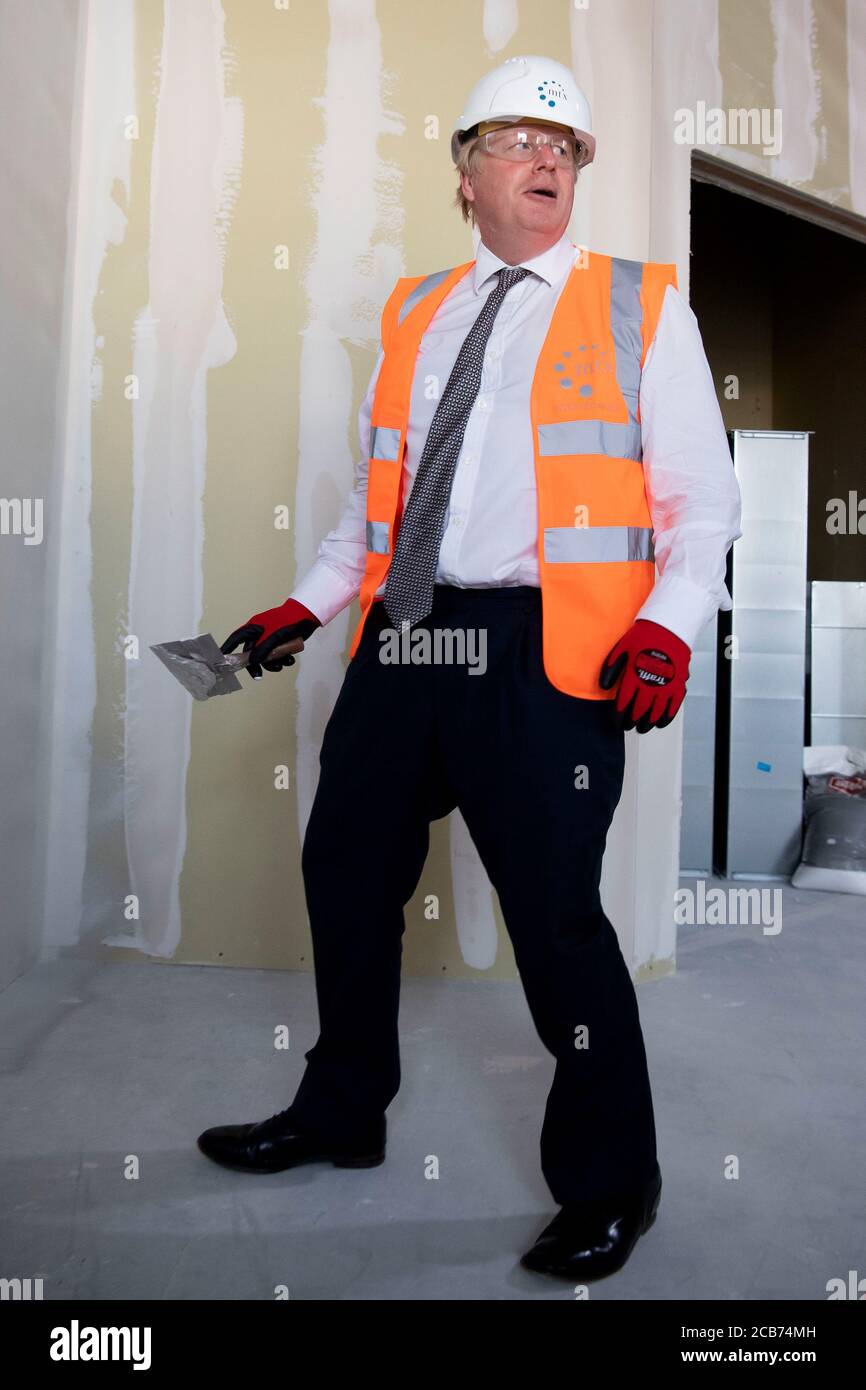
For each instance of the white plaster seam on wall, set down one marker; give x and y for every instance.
(179, 336)
(795, 90)
(354, 175)
(856, 50)
(348, 210)
(107, 96)
(580, 224)
(499, 24)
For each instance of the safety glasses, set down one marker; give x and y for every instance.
(520, 144)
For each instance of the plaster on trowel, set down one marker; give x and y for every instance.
(204, 670)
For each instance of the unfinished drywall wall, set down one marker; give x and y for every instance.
(38, 165)
(252, 180)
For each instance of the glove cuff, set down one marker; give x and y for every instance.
(653, 634)
(296, 613)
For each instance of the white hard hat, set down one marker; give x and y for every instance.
(528, 86)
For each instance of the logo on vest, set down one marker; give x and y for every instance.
(576, 366)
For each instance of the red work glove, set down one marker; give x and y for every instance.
(654, 664)
(264, 631)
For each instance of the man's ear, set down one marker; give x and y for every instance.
(466, 187)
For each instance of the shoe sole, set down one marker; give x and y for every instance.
(367, 1161)
(339, 1161)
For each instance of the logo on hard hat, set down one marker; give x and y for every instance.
(551, 92)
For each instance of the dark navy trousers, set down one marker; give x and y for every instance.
(404, 746)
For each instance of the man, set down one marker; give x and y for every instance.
(540, 431)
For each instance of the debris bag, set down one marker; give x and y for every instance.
(833, 857)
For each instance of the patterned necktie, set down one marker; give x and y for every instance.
(408, 595)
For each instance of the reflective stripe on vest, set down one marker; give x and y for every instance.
(595, 546)
(384, 444)
(626, 316)
(590, 437)
(426, 285)
(377, 537)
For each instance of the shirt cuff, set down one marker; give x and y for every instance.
(682, 606)
(324, 591)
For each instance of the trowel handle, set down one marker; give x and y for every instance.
(287, 649)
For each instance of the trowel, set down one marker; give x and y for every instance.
(204, 670)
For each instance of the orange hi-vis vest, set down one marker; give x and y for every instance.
(595, 536)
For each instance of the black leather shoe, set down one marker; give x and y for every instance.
(278, 1143)
(589, 1240)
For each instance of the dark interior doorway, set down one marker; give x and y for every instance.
(778, 286)
(781, 304)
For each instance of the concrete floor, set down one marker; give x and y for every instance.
(756, 1049)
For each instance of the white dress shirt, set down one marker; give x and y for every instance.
(491, 532)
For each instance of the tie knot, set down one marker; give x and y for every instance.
(510, 275)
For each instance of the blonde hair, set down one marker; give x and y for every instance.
(467, 163)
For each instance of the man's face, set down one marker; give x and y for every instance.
(504, 192)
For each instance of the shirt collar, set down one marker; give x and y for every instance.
(551, 266)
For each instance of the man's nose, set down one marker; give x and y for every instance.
(544, 157)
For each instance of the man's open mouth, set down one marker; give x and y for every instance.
(542, 192)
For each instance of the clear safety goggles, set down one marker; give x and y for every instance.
(522, 143)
